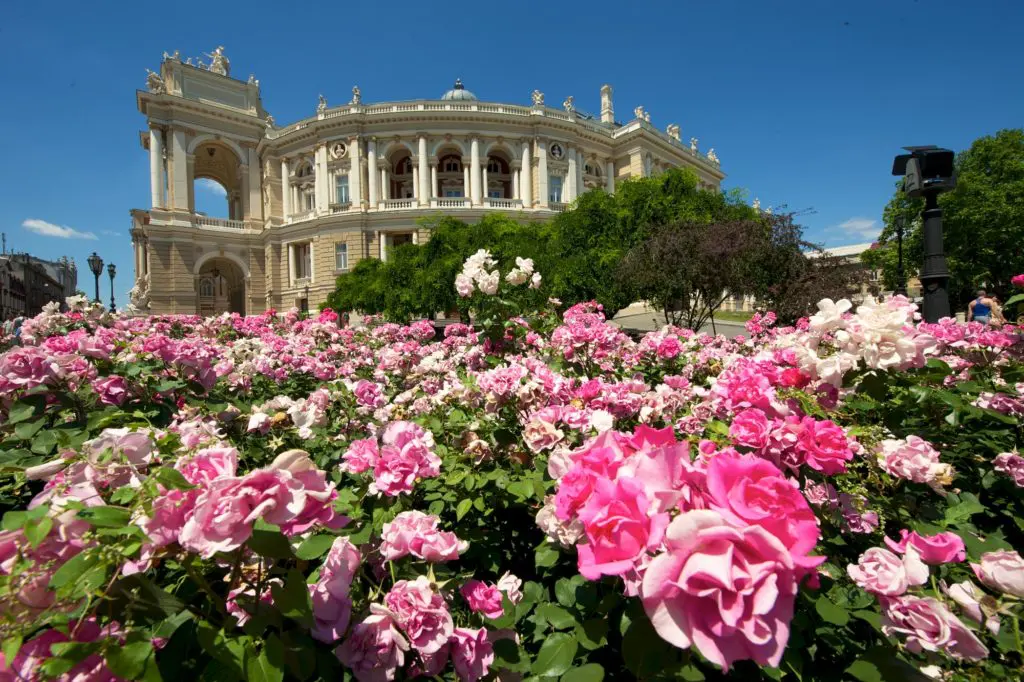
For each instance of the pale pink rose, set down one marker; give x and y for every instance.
(510, 585)
(241, 601)
(332, 606)
(421, 613)
(618, 528)
(361, 456)
(750, 428)
(1001, 570)
(225, 511)
(880, 571)
(483, 598)
(1011, 464)
(913, 459)
(136, 447)
(320, 495)
(472, 653)
(169, 513)
(750, 490)
(112, 390)
(47, 470)
(375, 649)
(565, 533)
(821, 494)
(259, 422)
(929, 626)
(30, 366)
(968, 597)
(941, 548)
(209, 464)
(540, 435)
(463, 285)
(416, 533)
(28, 662)
(728, 591)
(442, 546)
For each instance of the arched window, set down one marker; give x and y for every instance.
(404, 167)
(451, 164)
(206, 287)
(305, 170)
(493, 166)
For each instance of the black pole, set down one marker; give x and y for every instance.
(97, 275)
(113, 308)
(934, 271)
(901, 280)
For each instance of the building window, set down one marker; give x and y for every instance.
(304, 305)
(303, 261)
(493, 166)
(340, 256)
(555, 189)
(495, 194)
(206, 287)
(452, 166)
(341, 189)
(453, 193)
(305, 170)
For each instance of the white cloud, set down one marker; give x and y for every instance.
(110, 233)
(60, 231)
(211, 186)
(862, 228)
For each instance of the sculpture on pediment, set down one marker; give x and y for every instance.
(638, 113)
(188, 62)
(201, 64)
(757, 204)
(647, 116)
(569, 105)
(693, 145)
(538, 98)
(712, 156)
(252, 80)
(219, 62)
(357, 96)
(673, 131)
(176, 57)
(269, 121)
(322, 106)
(154, 83)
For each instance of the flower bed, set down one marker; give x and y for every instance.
(539, 498)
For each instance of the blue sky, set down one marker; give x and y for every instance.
(804, 102)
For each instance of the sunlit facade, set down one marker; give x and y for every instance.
(307, 200)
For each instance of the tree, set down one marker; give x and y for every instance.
(983, 220)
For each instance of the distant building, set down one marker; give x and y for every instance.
(28, 283)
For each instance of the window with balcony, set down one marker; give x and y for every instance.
(341, 189)
(452, 165)
(453, 193)
(555, 189)
(493, 166)
(340, 256)
(495, 193)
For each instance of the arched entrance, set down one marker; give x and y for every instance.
(220, 288)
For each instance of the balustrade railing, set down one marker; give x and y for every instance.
(397, 204)
(503, 203)
(449, 202)
(206, 221)
(557, 206)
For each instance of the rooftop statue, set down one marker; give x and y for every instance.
(639, 113)
(569, 105)
(693, 145)
(154, 83)
(538, 98)
(357, 96)
(173, 57)
(219, 63)
(712, 156)
(322, 106)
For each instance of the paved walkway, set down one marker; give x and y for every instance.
(645, 319)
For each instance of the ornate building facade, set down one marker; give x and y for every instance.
(309, 199)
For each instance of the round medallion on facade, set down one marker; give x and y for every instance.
(339, 150)
(556, 151)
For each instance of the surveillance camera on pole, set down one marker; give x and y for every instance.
(927, 172)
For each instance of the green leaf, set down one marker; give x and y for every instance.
(965, 509)
(106, 516)
(592, 634)
(268, 666)
(565, 590)
(129, 660)
(169, 477)
(292, 598)
(26, 431)
(43, 442)
(691, 673)
(559, 618)
(463, 508)
(270, 543)
(35, 533)
(866, 671)
(555, 655)
(830, 612)
(11, 647)
(546, 556)
(74, 568)
(315, 546)
(19, 412)
(591, 672)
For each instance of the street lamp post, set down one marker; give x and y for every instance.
(112, 270)
(96, 265)
(305, 301)
(901, 280)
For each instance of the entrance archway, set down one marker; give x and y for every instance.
(220, 288)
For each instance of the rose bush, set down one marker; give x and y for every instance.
(537, 497)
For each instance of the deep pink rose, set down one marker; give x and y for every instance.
(728, 591)
(375, 649)
(928, 625)
(112, 390)
(750, 490)
(824, 446)
(169, 513)
(421, 613)
(1017, 280)
(941, 548)
(750, 428)
(618, 527)
(880, 571)
(483, 598)
(209, 464)
(472, 653)
(332, 607)
(360, 456)
(574, 489)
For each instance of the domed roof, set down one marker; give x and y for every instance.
(458, 91)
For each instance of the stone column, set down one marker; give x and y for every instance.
(355, 174)
(474, 171)
(286, 191)
(312, 261)
(526, 177)
(465, 180)
(515, 183)
(417, 193)
(371, 166)
(433, 181)
(320, 180)
(179, 160)
(483, 180)
(570, 177)
(291, 265)
(156, 167)
(422, 187)
(609, 177)
(255, 187)
(542, 173)
(385, 184)
(580, 187)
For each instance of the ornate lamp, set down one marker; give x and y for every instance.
(96, 265)
(111, 270)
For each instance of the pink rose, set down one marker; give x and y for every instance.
(821, 494)
(1001, 570)
(729, 591)
(421, 613)
(941, 548)
(968, 597)
(574, 489)
(209, 464)
(750, 428)
(1011, 464)
(540, 435)
(1017, 280)
(472, 653)
(360, 456)
(929, 626)
(369, 394)
(749, 490)
(375, 649)
(112, 390)
(416, 533)
(618, 528)
(913, 459)
(30, 366)
(880, 571)
(483, 598)
(510, 585)
(332, 607)
(824, 446)
(320, 495)
(169, 513)
(225, 511)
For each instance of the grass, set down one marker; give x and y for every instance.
(733, 316)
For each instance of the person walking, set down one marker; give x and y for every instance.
(980, 309)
